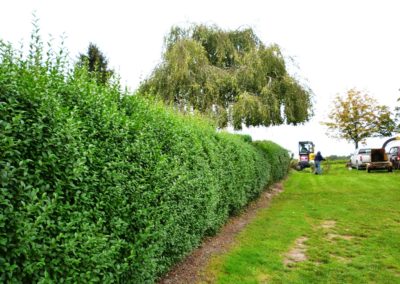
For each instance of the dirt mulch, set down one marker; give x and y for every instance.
(297, 253)
(191, 268)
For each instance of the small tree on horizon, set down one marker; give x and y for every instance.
(358, 116)
(96, 63)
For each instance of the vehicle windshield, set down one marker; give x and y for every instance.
(306, 147)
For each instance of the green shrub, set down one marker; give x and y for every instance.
(278, 158)
(102, 186)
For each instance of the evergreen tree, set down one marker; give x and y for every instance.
(96, 63)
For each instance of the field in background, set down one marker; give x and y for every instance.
(340, 227)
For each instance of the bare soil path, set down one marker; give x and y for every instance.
(191, 269)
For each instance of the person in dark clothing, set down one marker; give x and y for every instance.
(318, 159)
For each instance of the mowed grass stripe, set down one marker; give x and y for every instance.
(349, 222)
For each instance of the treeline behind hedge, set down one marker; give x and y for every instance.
(101, 186)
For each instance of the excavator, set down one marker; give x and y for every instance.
(306, 154)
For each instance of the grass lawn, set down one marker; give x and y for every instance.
(339, 227)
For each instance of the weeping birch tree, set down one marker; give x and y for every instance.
(231, 76)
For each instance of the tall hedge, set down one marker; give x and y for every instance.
(278, 158)
(101, 186)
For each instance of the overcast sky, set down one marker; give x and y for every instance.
(336, 45)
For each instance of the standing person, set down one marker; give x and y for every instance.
(318, 159)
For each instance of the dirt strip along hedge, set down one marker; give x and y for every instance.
(101, 186)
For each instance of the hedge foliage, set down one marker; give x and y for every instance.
(277, 157)
(101, 186)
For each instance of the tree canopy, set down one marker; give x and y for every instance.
(358, 116)
(229, 75)
(96, 63)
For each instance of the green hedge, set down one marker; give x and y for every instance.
(278, 158)
(100, 186)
